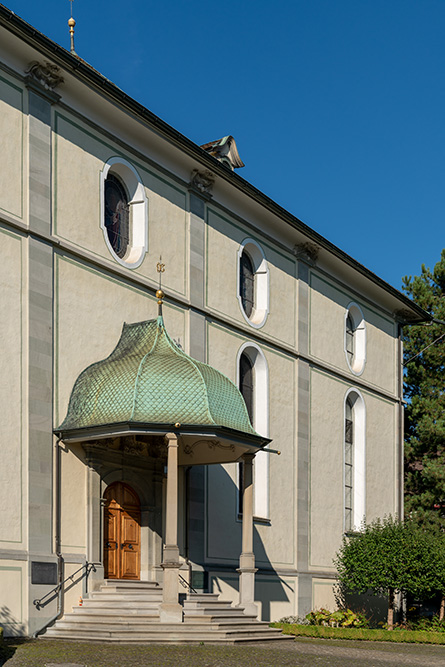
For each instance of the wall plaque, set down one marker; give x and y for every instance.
(44, 573)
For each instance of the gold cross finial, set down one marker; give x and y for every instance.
(160, 267)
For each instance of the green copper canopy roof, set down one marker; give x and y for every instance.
(148, 379)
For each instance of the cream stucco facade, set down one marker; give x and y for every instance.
(65, 297)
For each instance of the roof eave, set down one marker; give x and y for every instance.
(115, 430)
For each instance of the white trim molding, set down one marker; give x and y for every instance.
(359, 458)
(357, 366)
(260, 424)
(261, 271)
(138, 203)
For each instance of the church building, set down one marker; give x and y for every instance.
(201, 395)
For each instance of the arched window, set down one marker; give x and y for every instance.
(124, 212)
(253, 382)
(253, 283)
(117, 215)
(355, 339)
(354, 461)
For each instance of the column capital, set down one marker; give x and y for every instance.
(172, 439)
(248, 457)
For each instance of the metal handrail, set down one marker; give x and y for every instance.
(185, 584)
(88, 567)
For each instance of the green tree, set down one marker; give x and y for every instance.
(425, 392)
(386, 557)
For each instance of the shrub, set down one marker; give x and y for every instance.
(342, 618)
(363, 634)
(433, 624)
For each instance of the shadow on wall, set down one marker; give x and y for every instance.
(270, 588)
(375, 607)
(11, 626)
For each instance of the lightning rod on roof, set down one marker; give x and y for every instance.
(72, 23)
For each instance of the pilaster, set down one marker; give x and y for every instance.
(199, 194)
(40, 340)
(304, 601)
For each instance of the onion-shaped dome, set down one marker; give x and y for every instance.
(148, 379)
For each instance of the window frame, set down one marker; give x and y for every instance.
(138, 211)
(355, 337)
(358, 487)
(260, 423)
(260, 309)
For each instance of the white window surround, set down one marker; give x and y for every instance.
(359, 359)
(261, 271)
(359, 466)
(260, 424)
(138, 204)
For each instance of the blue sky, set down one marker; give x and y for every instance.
(337, 106)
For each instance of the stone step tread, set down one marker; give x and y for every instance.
(136, 604)
(147, 592)
(147, 629)
(207, 598)
(128, 583)
(170, 640)
(113, 611)
(218, 604)
(224, 619)
(111, 618)
(122, 598)
(122, 592)
(217, 614)
(153, 634)
(133, 589)
(132, 623)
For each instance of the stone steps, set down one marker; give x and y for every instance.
(128, 612)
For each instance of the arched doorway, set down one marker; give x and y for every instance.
(122, 532)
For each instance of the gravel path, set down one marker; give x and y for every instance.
(301, 653)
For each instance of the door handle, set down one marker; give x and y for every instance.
(130, 546)
(108, 545)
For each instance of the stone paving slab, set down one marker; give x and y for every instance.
(304, 652)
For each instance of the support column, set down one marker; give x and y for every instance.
(247, 559)
(171, 610)
(95, 525)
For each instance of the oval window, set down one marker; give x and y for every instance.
(253, 283)
(124, 212)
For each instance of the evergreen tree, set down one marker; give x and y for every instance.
(424, 352)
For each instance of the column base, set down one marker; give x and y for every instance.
(170, 613)
(247, 590)
(249, 608)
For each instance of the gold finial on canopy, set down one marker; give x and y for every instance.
(160, 267)
(72, 23)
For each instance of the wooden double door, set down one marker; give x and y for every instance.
(122, 532)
